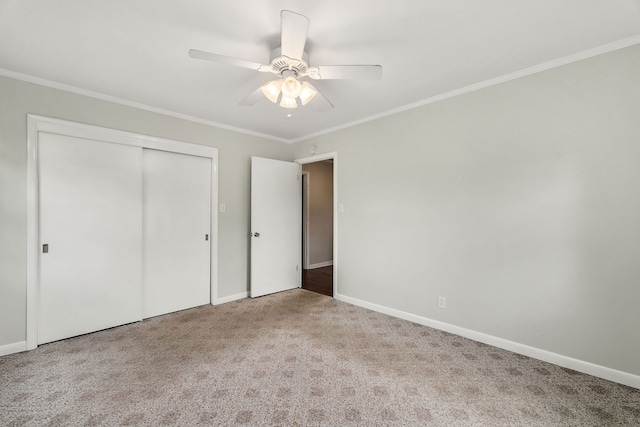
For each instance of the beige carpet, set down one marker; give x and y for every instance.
(296, 358)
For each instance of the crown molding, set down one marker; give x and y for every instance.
(589, 53)
(600, 50)
(101, 96)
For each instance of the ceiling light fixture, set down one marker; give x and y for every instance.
(307, 93)
(272, 90)
(287, 102)
(287, 90)
(291, 87)
(290, 63)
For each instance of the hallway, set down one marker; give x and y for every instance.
(318, 280)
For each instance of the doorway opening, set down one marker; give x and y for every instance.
(318, 226)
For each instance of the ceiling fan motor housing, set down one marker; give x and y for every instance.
(280, 63)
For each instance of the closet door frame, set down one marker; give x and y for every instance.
(37, 124)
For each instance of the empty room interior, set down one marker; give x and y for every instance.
(320, 213)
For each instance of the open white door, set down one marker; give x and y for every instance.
(275, 226)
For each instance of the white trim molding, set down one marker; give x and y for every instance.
(614, 375)
(306, 190)
(37, 124)
(16, 347)
(230, 298)
(599, 50)
(589, 53)
(101, 96)
(320, 265)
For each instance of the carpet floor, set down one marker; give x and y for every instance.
(296, 358)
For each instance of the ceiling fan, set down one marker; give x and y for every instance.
(290, 62)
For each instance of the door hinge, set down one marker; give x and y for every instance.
(206, 237)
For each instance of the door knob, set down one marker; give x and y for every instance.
(256, 234)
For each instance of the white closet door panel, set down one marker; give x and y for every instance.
(91, 219)
(177, 218)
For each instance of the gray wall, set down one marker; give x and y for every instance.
(18, 98)
(320, 195)
(519, 203)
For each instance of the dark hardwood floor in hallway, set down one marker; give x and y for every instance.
(318, 280)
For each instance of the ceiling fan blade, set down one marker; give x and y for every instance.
(319, 102)
(354, 72)
(293, 33)
(229, 60)
(252, 98)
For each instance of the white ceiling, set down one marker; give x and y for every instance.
(135, 51)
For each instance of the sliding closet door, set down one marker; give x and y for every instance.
(90, 236)
(177, 218)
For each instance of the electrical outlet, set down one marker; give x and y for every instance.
(442, 302)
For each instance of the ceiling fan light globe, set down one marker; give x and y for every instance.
(307, 93)
(287, 102)
(271, 90)
(291, 87)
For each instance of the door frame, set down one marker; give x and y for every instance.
(318, 158)
(37, 124)
(305, 219)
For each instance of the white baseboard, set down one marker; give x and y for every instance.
(614, 375)
(230, 298)
(320, 265)
(16, 347)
